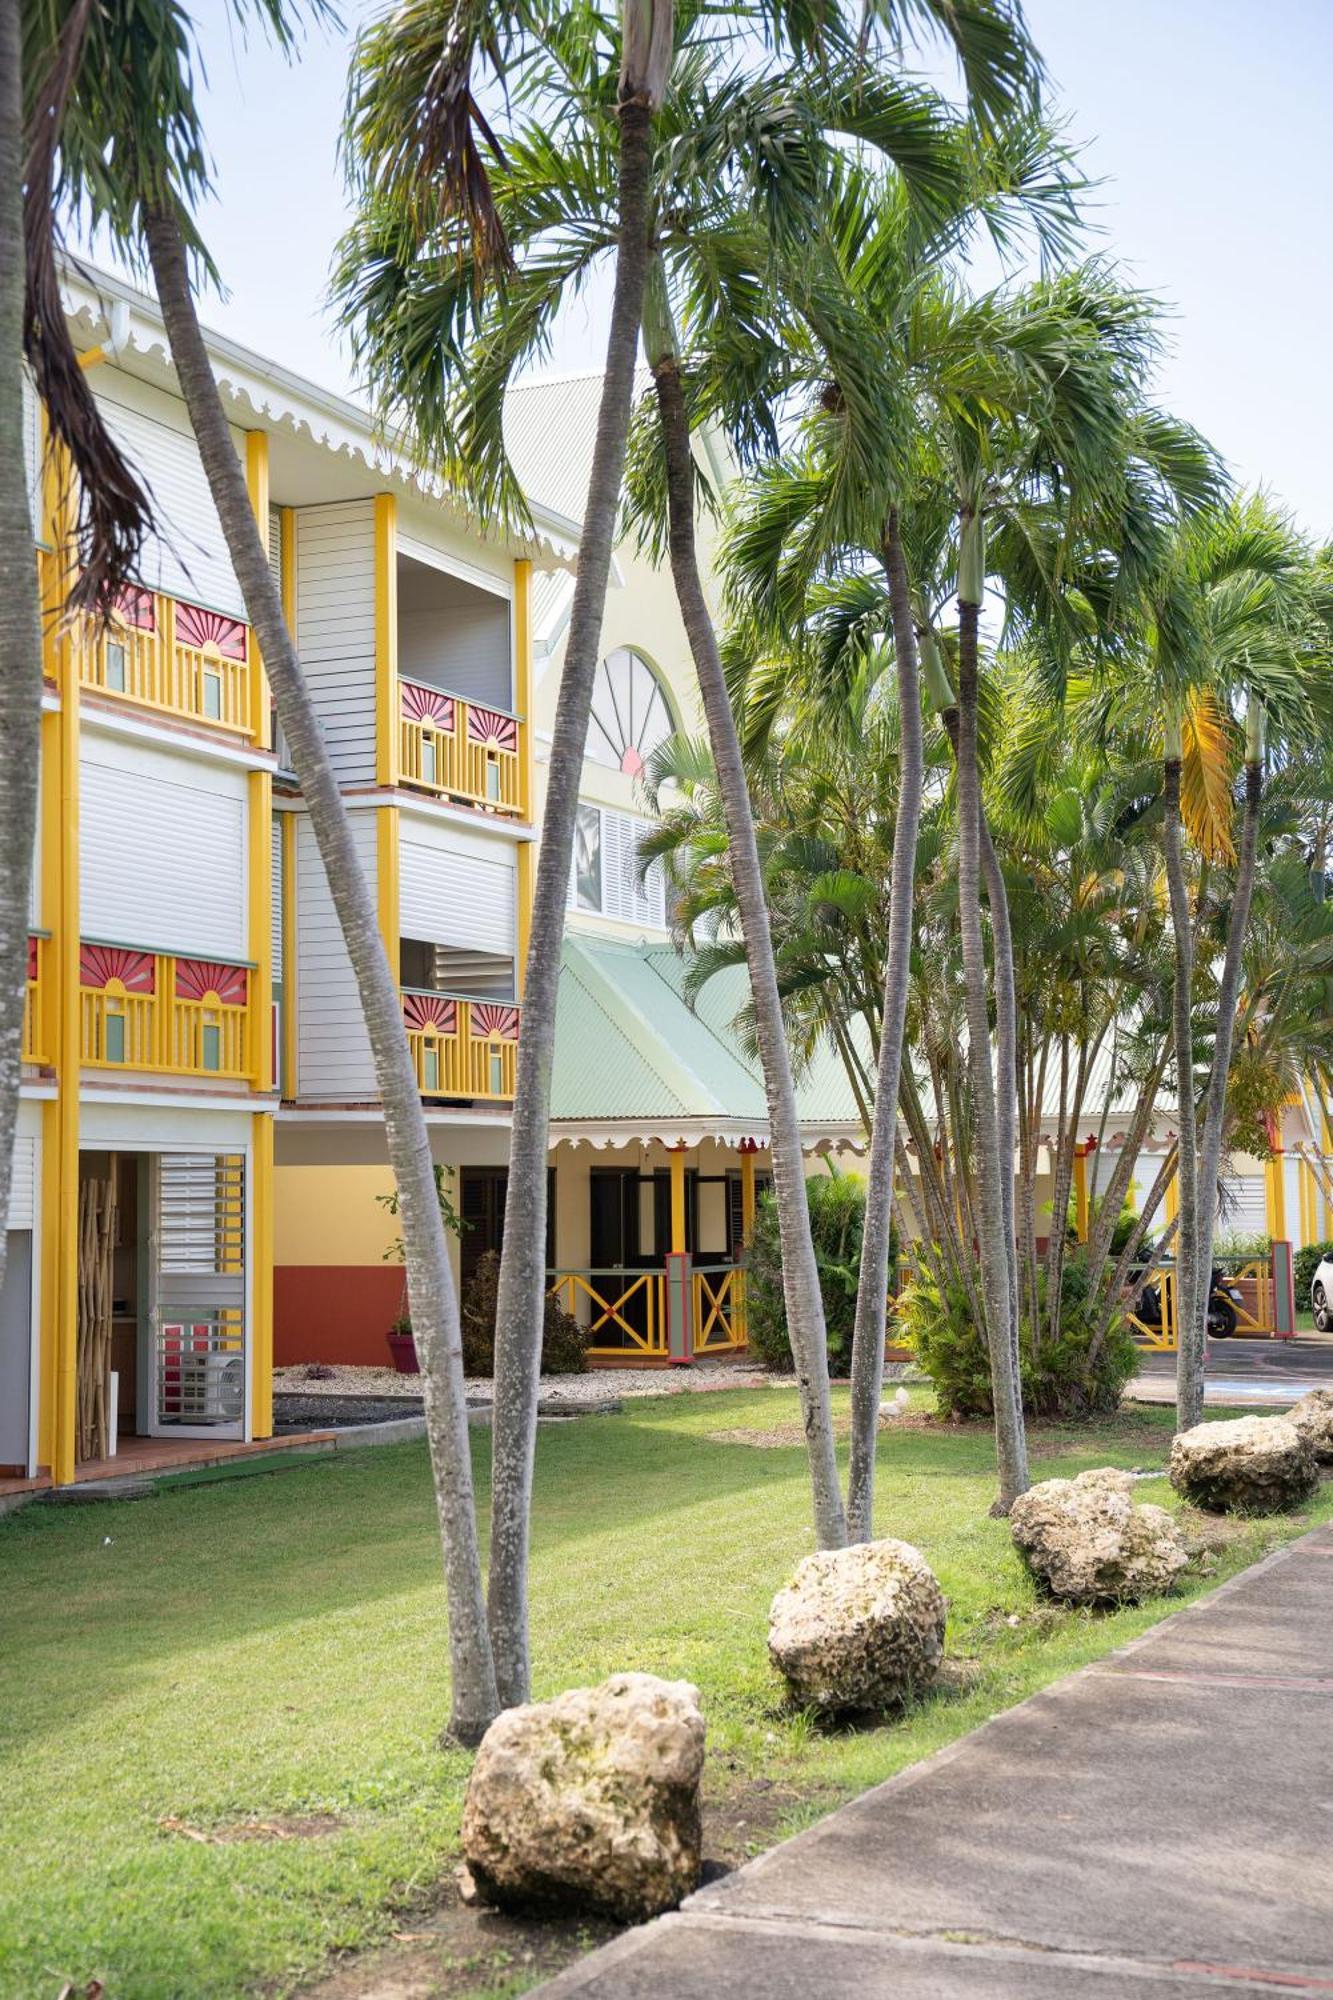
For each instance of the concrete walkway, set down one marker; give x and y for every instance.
(1156, 1827)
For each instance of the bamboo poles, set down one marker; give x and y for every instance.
(96, 1265)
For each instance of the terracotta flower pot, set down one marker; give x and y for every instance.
(404, 1351)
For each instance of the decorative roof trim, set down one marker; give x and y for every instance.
(269, 391)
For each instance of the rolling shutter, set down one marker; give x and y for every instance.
(23, 1183)
(32, 454)
(187, 557)
(162, 856)
(446, 897)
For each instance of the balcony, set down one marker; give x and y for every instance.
(34, 1045)
(459, 750)
(144, 1010)
(628, 1313)
(161, 653)
(462, 1048)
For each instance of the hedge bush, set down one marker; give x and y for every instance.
(1303, 1266)
(837, 1204)
(564, 1341)
(1058, 1379)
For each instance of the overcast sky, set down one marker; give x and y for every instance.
(1210, 123)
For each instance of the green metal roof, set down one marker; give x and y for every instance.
(629, 1046)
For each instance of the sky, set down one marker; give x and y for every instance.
(1207, 123)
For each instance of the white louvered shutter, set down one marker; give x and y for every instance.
(187, 556)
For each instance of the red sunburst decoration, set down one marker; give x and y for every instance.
(487, 725)
(138, 608)
(428, 705)
(198, 977)
(99, 964)
(430, 1013)
(494, 1024)
(197, 627)
(32, 960)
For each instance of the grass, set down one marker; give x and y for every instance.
(274, 1646)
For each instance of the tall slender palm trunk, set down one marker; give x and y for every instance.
(994, 1212)
(430, 1282)
(522, 1291)
(873, 1284)
(1190, 1345)
(1228, 996)
(800, 1276)
(20, 620)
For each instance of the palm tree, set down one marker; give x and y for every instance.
(110, 508)
(441, 344)
(133, 88)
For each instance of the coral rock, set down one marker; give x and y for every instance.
(1087, 1542)
(1313, 1418)
(590, 1801)
(1254, 1465)
(858, 1628)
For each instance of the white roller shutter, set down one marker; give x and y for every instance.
(23, 1183)
(275, 898)
(32, 454)
(457, 899)
(162, 852)
(187, 557)
(335, 629)
(333, 1051)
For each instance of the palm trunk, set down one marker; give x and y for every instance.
(522, 1291)
(20, 619)
(1214, 1117)
(1189, 1354)
(994, 1213)
(430, 1281)
(800, 1277)
(873, 1283)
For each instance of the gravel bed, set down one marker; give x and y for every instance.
(313, 1382)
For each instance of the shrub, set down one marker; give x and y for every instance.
(1236, 1243)
(564, 1341)
(1058, 1379)
(837, 1204)
(1303, 1266)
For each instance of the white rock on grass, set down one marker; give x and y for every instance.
(858, 1628)
(590, 1801)
(1087, 1542)
(1253, 1465)
(1313, 1418)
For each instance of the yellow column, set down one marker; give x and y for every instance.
(747, 1194)
(1326, 1147)
(1276, 1196)
(677, 1157)
(290, 1080)
(261, 1253)
(60, 912)
(256, 479)
(386, 639)
(523, 682)
(261, 927)
(1081, 1193)
(1309, 1223)
(386, 830)
(526, 866)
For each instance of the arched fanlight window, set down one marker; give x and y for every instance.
(630, 715)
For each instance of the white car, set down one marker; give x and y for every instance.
(1321, 1295)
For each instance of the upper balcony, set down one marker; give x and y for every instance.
(147, 1010)
(163, 654)
(459, 736)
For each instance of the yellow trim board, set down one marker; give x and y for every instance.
(261, 924)
(386, 854)
(261, 1279)
(290, 1076)
(386, 639)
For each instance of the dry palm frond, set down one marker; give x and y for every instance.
(1207, 773)
(114, 513)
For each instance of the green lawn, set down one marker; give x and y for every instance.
(274, 1645)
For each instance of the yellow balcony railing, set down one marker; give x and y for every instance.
(34, 1041)
(719, 1307)
(627, 1312)
(162, 653)
(144, 1010)
(459, 749)
(462, 1048)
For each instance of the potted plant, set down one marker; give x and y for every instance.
(402, 1346)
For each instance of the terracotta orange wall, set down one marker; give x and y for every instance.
(334, 1312)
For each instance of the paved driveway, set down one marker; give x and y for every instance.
(1262, 1372)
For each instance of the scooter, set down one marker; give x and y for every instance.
(1224, 1296)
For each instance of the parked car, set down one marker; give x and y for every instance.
(1321, 1294)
